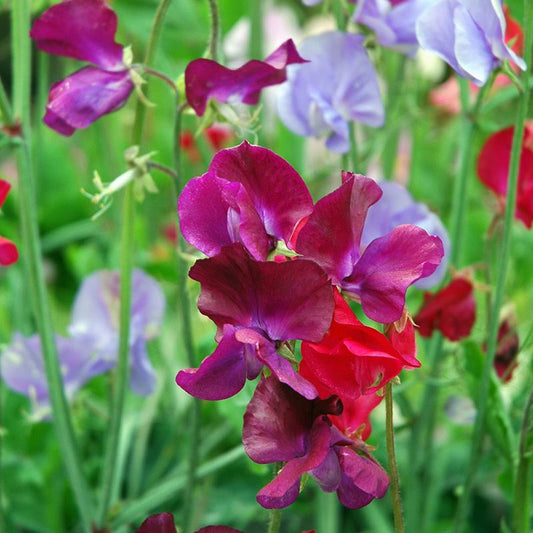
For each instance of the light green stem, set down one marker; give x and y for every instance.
(118, 396)
(501, 273)
(32, 257)
(255, 47)
(214, 37)
(393, 466)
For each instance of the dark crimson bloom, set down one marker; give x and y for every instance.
(493, 169)
(205, 78)
(164, 523)
(452, 310)
(506, 351)
(84, 30)
(8, 251)
(254, 196)
(352, 359)
(281, 425)
(256, 306)
(379, 274)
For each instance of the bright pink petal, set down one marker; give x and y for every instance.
(81, 29)
(5, 187)
(205, 79)
(8, 252)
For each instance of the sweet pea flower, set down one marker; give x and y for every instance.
(493, 169)
(95, 321)
(8, 250)
(22, 368)
(471, 36)
(256, 305)
(255, 197)
(379, 274)
(338, 85)
(281, 425)
(507, 348)
(205, 78)
(164, 523)
(393, 21)
(395, 207)
(84, 30)
(452, 310)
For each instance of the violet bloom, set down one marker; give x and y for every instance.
(22, 368)
(338, 85)
(95, 321)
(256, 306)
(281, 425)
(254, 196)
(205, 78)
(393, 21)
(84, 30)
(471, 36)
(397, 207)
(380, 274)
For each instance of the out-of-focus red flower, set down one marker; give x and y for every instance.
(507, 350)
(219, 135)
(188, 145)
(8, 251)
(452, 310)
(493, 169)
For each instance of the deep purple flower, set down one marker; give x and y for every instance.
(393, 21)
(95, 321)
(254, 196)
(471, 36)
(205, 78)
(255, 306)
(164, 523)
(338, 85)
(281, 425)
(397, 207)
(84, 30)
(380, 274)
(22, 367)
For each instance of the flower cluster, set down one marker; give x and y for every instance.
(312, 416)
(92, 345)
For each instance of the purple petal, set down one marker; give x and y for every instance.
(291, 300)
(285, 487)
(397, 207)
(362, 479)
(81, 98)
(332, 234)
(218, 529)
(277, 423)
(328, 473)
(338, 85)
(388, 266)
(220, 375)
(205, 79)
(158, 523)
(277, 191)
(143, 378)
(81, 29)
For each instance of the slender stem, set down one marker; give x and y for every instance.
(214, 36)
(255, 46)
(501, 273)
(274, 520)
(393, 466)
(32, 256)
(5, 108)
(118, 396)
(161, 76)
(522, 485)
(327, 511)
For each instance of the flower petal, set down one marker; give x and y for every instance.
(81, 29)
(8, 252)
(158, 523)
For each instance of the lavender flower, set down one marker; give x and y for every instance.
(397, 207)
(471, 36)
(84, 30)
(338, 85)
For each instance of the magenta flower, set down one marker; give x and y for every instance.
(379, 274)
(281, 425)
(254, 196)
(205, 78)
(471, 36)
(256, 306)
(84, 30)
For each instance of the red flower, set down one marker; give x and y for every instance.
(452, 311)
(8, 251)
(493, 169)
(506, 351)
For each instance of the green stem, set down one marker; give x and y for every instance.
(274, 520)
(5, 108)
(327, 511)
(501, 273)
(393, 466)
(255, 46)
(522, 485)
(214, 36)
(60, 409)
(118, 396)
